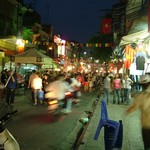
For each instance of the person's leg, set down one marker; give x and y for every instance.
(105, 95)
(7, 96)
(35, 96)
(12, 97)
(128, 96)
(32, 94)
(125, 96)
(68, 106)
(119, 96)
(122, 95)
(114, 96)
(108, 95)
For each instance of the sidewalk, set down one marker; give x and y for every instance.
(132, 139)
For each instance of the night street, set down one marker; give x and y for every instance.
(36, 129)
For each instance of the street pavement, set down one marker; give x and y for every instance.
(132, 139)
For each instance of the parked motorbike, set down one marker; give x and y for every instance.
(7, 141)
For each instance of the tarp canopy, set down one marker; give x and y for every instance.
(32, 56)
(134, 38)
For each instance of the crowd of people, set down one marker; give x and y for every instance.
(55, 84)
(106, 83)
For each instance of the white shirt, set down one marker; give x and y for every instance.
(75, 83)
(37, 83)
(57, 89)
(128, 83)
(32, 76)
(107, 83)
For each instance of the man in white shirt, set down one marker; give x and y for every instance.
(57, 90)
(36, 85)
(32, 76)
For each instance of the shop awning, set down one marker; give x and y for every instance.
(32, 56)
(134, 38)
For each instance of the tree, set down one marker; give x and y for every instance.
(102, 53)
(27, 34)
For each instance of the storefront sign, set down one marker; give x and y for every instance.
(39, 59)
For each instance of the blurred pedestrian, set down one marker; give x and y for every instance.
(86, 83)
(127, 89)
(46, 78)
(26, 78)
(107, 88)
(57, 90)
(32, 76)
(142, 102)
(117, 89)
(36, 86)
(11, 85)
(3, 77)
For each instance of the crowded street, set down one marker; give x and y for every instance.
(35, 128)
(74, 75)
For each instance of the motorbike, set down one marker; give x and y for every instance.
(7, 141)
(56, 105)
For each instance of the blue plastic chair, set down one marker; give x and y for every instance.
(104, 121)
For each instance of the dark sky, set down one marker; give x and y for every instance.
(74, 20)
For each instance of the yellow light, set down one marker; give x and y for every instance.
(50, 48)
(52, 102)
(20, 42)
(67, 93)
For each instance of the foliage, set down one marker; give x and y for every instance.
(27, 34)
(102, 53)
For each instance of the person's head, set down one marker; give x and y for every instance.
(10, 72)
(116, 75)
(34, 71)
(37, 74)
(61, 77)
(126, 76)
(145, 80)
(107, 74)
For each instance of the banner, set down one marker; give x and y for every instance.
(106, 25)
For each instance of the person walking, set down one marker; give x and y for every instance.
(86, 83)
(11, 85)
(127, 89)
(32, 76)
(117, 89)
(142, 102)
(36, 86)
(107, 88)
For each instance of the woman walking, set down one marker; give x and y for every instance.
(117, 89)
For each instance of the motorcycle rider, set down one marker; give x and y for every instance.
(73, 82)
(57, 90)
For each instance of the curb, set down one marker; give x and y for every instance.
(70, 140)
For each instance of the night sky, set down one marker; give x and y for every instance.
(74, 20)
